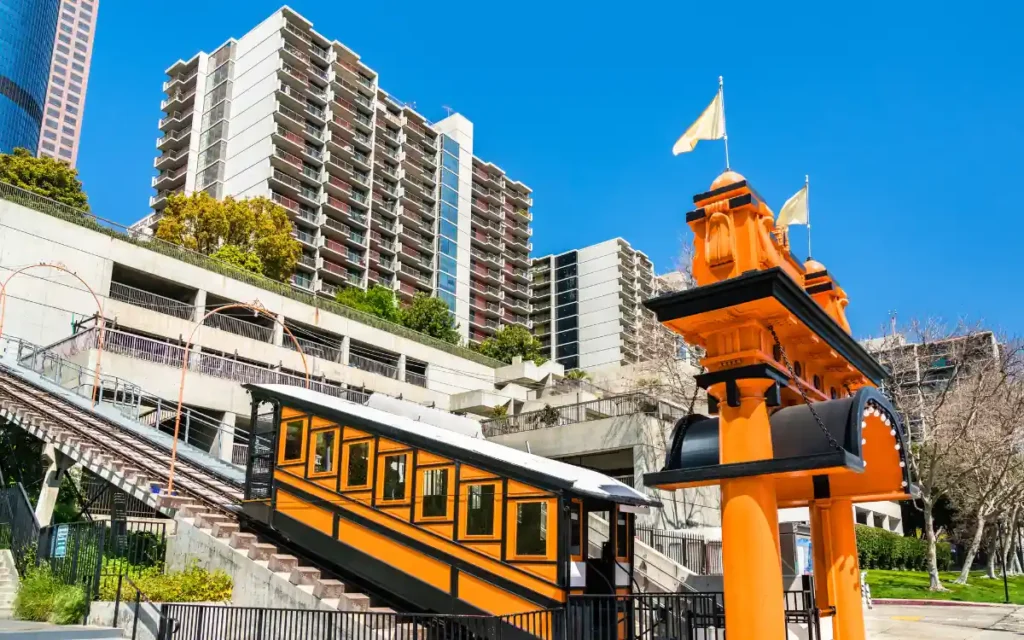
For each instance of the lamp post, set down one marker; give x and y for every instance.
(99, 306)
(256, 308)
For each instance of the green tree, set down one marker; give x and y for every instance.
(577, 374)
(253, 233)
(48, 177)
(431, 316)
(378, 300)
(510, 341)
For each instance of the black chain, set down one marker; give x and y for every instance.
(803, 394)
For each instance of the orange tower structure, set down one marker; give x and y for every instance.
(799, 419)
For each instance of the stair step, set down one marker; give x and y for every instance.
(358, 601)
(261, 551)
(329, 589)
(241, 541)
(304, 575)
(282, 563)
(224, 529)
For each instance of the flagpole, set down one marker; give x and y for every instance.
(725, 134)
(807, 186)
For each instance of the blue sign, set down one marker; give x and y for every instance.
(60, 541)
(804, 557)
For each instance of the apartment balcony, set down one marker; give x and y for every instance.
(385, 207)
(383, 224)
(488, 179)
(384, 117)
(418, 242)
(521, 260)
(289, 119)
(490, 277)
(418, 133)
(179, 100)
(294, 75)
(383, 280)
(515, 226)
(387, 170)
(338, 167)
(177, 120)
(381, 261)
(418, 223)
(486, 242)
(159, 201)
(179, 82)
(480, 322)
(170, 159)
(512, 318)
(362, 160)
(340, 275)
(514, 274)
(517, 289)
(485, 307)
(307, 239)
(353, 91)
(518, 244)
(542, 330)
(170, 179)
(362, 141)
(491, 196)
(306, 261)
(387, 189)
(415, 275)
(352, 73)
(519, 199)
(487, 210)
(516, 214)
(492, 259)
(518, 305)
(485, 290)
(289, 163)
(174, 140)
(380, 243)
(289, 205)
(294, 55)
(361, 179)
(306, 216)
(541, 306)
(336, 230)
(337, 187)
(485, 224)
(294, 188)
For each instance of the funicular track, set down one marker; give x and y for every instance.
(211, 500)
(129, 453)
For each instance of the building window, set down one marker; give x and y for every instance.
(54, 112)
(480, 510)
(60, 59)
(323, 451)
(394, 477)
(575, 530)
(73, 110)
(532, 529)
(63, 38)
(293, 437)
(358, 471)
(69, 131)
(435, 493)
(63, 49)
(77, 67)
(51, 123)
(78, 57)
(49, 146)
(70, 120)
(66, 29)
(50, 135)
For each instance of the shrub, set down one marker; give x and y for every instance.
(43, 598)
(194, 584)
(881, 549)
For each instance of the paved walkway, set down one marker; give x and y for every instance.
(953, 622)
(21, 630)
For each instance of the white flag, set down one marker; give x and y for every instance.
(709, 126)
(795, 210)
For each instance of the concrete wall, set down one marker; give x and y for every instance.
(28, 237)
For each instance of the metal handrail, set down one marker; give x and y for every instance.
(146, 300)
(615, 406)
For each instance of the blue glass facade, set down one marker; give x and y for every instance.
(448, 245)
(27, 30)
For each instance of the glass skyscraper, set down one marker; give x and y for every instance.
(27, 30)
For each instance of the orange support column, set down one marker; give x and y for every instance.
(845, 573)
(821, 548)
(752, 567)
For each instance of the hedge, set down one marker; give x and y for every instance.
(881, 549)
(90, 221)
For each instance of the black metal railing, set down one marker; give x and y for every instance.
(19, 529)
(622, 405)
(214, 622)
(691, 550)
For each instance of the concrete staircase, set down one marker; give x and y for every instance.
(653, 571)
(8, 584)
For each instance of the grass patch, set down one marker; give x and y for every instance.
(913, 585)
(43, 598)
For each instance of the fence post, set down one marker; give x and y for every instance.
(138, 606)
(117, 600)
(188, 423)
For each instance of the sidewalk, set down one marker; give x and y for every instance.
(947, 622)
(20, 630)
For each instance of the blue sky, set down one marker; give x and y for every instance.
(907, 118)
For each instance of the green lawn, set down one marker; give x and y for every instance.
(913, 585)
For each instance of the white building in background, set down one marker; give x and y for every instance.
(378, 194)
(587, 304)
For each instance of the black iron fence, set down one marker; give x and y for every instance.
(212, 622)
(675, 616)
(622, 405)
(19, 529)
(691, 550)
(103, 498)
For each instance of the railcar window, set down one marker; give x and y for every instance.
(480, 510)
(394, 477)
(435, 493)
(575, 530)
(324, 450)
(358, 464)
(293, 439)
(532, 529)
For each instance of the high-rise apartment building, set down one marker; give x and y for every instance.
(377, 193)
(26, 45)
(69, 76)
(587, 304)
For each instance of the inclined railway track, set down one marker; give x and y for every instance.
(132, 450)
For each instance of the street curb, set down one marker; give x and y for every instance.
(939, 603)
